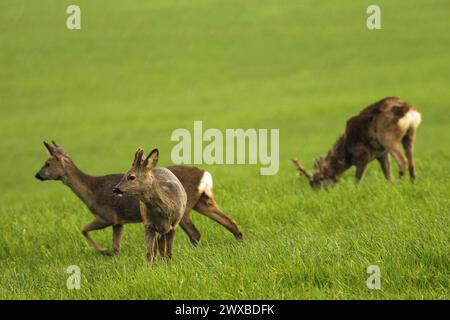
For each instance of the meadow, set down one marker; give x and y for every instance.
(138, 70)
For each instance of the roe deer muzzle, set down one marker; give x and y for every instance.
(54, 167)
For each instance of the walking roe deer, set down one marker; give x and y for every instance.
(162, 201)
(377, 131)
(95, 193)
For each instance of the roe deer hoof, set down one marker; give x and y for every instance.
(106, 252)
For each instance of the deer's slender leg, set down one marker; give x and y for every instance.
(117, 237)
(150, 239)
(188, 226)
(208, 207)
(408, 146)
(360, 169)
(162, 246)
(169, 243)
(96, 224)
(385, 165)
(399, 157)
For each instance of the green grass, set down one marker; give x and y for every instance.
(138, 70)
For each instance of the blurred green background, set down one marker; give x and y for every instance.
(138, 70)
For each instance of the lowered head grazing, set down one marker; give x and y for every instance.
(379, 131)
(323, 175)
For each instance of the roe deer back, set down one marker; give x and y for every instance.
(381, 129)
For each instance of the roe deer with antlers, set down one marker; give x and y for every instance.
(95, 192)
(162, 201)
(377, 131)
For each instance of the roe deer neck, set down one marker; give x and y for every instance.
(337, 160)
(79, 183)
(156, 197)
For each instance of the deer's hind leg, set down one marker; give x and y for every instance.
(396, 152)
(408, 146)
(392, 143)
(191, 230)
(208, 207)
(96, 224)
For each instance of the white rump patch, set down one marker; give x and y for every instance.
(414, 118)
(206, 184)
(411, 119)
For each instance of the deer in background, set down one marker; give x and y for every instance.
(382, 128)
(162, 201)
(108, 210)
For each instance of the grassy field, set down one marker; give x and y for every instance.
(138, 70)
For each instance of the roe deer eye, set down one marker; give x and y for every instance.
(131, 178)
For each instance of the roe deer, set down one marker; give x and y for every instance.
(377, 131)
(95, 193)
(162, 201)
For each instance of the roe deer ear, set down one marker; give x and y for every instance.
(62, 158)
(152, 159)
(316, 164)
(319, 163)
(50, 149)
(138, 157)
(57, 149)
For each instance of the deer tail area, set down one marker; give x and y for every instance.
(206, 184)
(408, 118)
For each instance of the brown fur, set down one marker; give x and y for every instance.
(377, 131)
(201, 202)
(108, 210)
(162, 201)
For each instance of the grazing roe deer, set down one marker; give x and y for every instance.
(377, 131)
(95, 193)
(162, 201)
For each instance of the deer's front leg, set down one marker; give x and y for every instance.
(117, 237)
(150, 239)
(97, 224)
(162, 246)
(360, 168)
(169, 243)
